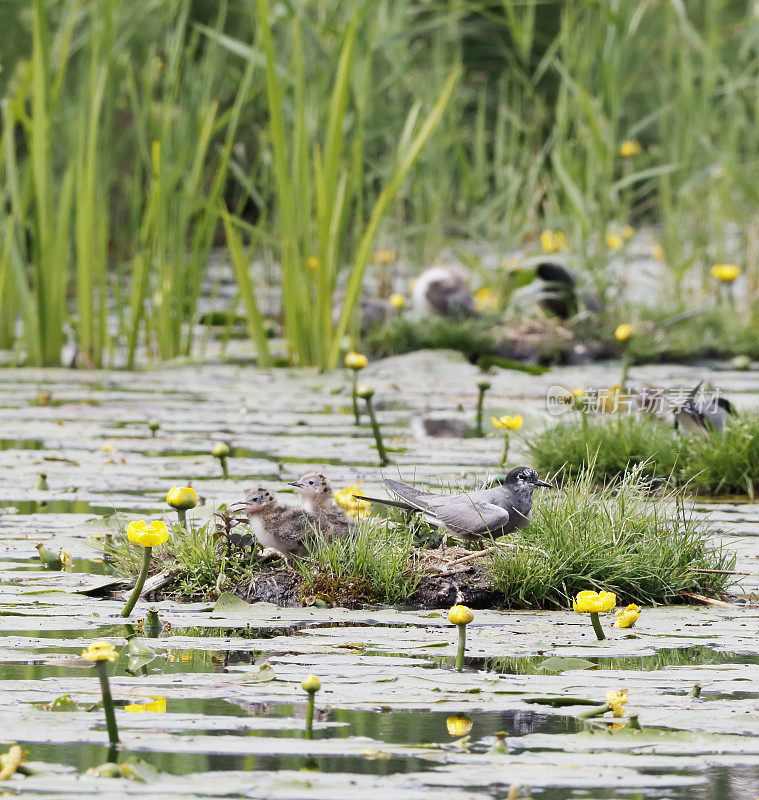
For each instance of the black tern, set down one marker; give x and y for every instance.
(472, 515)
(704, 413)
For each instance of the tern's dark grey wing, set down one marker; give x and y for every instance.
(461, 515)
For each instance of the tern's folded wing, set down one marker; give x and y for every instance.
(461, 515)
(416, 497)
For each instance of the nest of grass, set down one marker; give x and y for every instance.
(582, 536)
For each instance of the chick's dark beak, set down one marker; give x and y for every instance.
(296, 484)
(544, 483)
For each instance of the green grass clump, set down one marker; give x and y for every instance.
(202, 568)
(472, 337)
(613, 538)
(614, 443)
(720, 463)
(715, 333)
(374, 562)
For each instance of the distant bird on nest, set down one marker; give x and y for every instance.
(473, 515)
(316, 492)
(559, 294)
(703, 413)
(443, 291)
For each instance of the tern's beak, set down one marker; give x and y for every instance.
(544, 483)
(296, 484)
(238, 504)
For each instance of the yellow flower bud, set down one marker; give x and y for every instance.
(356, 361)
(100, 651)
(507, 422)
(383, 257)
(553, 241)
(397, 301)
(614, 241)
(485, 299)
(588, 601)
(630, 148)
(726, 273)
(365, 392)
(628, 232)
(311, 683)
(147, 535)
(458, 725)
(623, 332)
(220, 450)
(183, 498)
(313, 262)
(460, 615)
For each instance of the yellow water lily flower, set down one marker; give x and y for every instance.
(147, 534)
(597, 602)
(157, 706)
(553, 241)
(460, 615)
(458, 725)
(578, 393)
(726, 273)
(624, 332)
(220, 450)
(354, 507)
(65, 558)
(184, 497)
(397, 301)
(356, 361)
(616, 702)
(100, 651)
(630, 148)
(627, 617)
(628, 232)
(614, 241)
(313, 262)
(507, 423)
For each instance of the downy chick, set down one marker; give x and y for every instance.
(281, 528)
(316, 493)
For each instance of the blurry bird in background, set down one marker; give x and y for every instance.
(703, 412)
(558, 291)
(443, 291)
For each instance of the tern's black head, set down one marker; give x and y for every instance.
(524, 477)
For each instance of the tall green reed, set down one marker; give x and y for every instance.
(318, 183)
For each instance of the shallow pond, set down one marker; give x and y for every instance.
(392, 717)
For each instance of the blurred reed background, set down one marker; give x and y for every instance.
(137, 137)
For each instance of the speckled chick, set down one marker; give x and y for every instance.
(316, 493)
(278, 527)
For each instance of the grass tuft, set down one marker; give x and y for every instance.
(721, 463)
(202, 569)
(612, 538)
(373, 563)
